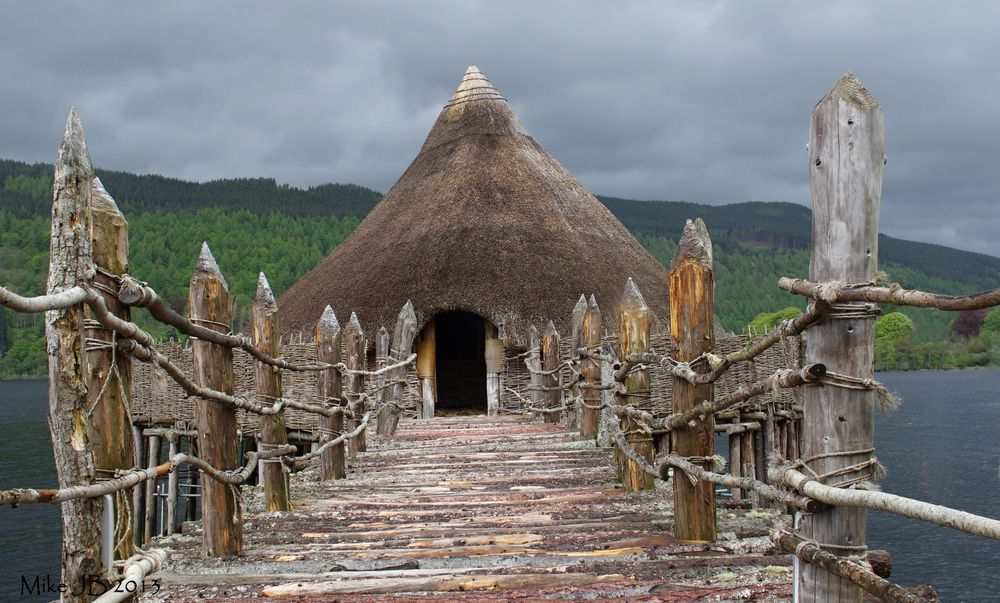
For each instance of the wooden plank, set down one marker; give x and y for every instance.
(329, 389)
(438, 584)
(267, 379)
(846, 158)
(210, 307)
(692, 291)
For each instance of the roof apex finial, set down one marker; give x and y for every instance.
(474, 87)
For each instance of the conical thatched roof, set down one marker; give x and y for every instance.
(483, 220)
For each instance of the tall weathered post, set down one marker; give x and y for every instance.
(493, 356)
(427, 369)
(329, 389)
(268, 382)
(70, 264)
(402, 343)
(354, 385)
(633, 338)
(210, 307)
(590, 368)
(846, 159)
(109, 375)
(573, 411)
(533, 361)
(550, 360)
(692, 287)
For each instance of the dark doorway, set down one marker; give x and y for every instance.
(461, 363)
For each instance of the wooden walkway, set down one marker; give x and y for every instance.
(480, 509)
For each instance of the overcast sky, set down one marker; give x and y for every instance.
(699, 101)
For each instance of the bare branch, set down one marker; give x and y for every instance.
(893, 294)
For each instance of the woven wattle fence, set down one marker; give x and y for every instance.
(161, 401)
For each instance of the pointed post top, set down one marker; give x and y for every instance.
(382, 331)
(102, 201)
(695, 245)
(354, 323)
(550, 330)
(592, 303)
(474, 86)
(407, 313)
(328, 322)
(264, 295)
(73, 156)
(632, 298)
(581, 304)
(207, 266)
(849, 89)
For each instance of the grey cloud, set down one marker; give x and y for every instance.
(702, 101)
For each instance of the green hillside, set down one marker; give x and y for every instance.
(257, 224)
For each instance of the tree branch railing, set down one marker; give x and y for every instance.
(18, 496)
(893, 294)
(858, 574)
(883, 501)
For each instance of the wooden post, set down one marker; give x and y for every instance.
(427, 369)
(846, 159)
(494, 364)
(534, 363)
(748, 463)
(174, 448)
(138, 490)
(735, 462)
(329, 386)
(590, 368)
(573, 410)
(383, 340)
(633, 338)
(354, 350)
(210, 307)
(70, 264)
(692, 286)
(109, 374)
(268, 382)
(402, 344)
(153, 456)
(550, 360)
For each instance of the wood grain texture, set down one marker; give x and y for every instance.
(70, 264)
(211, 307)
(109, 374)
(590, 368)
(550, 360)
(692, 290)
(633, 338)
(354, 385)
(329, 390)
(402, 344)
(846, 158)
(267, 380)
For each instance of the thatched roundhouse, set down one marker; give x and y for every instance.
(487, 234)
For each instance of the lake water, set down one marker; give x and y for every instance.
(941, 446)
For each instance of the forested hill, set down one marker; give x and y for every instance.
(257, 224)
(22, 183)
